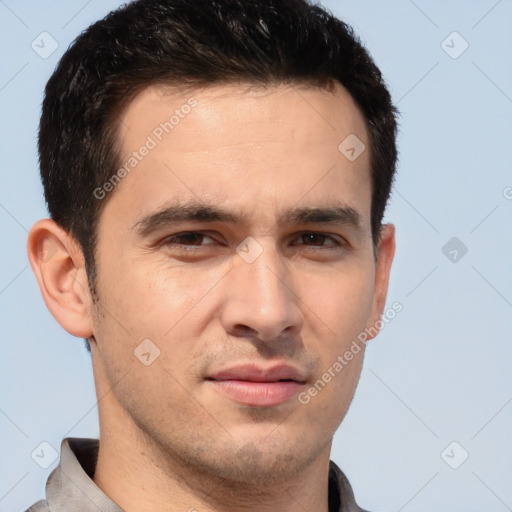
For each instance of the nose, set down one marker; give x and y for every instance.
(260, 298)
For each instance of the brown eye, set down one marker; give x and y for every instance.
(312, 239)
(188, 240)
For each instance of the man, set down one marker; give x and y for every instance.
(216, 174)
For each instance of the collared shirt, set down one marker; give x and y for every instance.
(70, 486)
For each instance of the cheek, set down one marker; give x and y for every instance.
(339, 303)
(135, 355)
(172, 307)
(156, 300)
(340, 310)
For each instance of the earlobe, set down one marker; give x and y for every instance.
(58, 264)
(386, 252)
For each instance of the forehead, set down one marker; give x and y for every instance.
(257, 149)
(239, 111)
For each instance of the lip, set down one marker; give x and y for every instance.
(253, 385)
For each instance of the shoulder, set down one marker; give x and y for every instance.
(39, 506)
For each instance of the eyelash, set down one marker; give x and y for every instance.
(169, 241)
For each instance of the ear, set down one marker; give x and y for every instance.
(58, 264)
(385, 254)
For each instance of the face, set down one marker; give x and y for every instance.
(238, 246)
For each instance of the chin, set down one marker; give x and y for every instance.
(254, 462)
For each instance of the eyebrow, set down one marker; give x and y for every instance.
(174, 214)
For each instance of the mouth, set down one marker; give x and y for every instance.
(257, 386)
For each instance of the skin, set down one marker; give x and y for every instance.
(169, 440)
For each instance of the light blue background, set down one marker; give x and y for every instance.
(439, 372)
